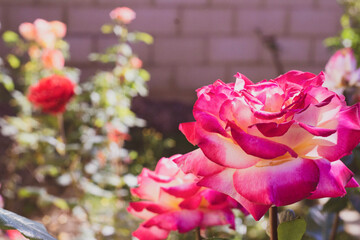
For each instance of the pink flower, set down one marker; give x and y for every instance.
(58, 28)
(136, 62)
(341, 71)
(43, 32)
(53, 58)
(27, 30)
(272, 143)
(15, 235)
(123, 14)
(172, 201)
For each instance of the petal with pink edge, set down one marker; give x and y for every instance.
(183, 221)
(334, 177)
(279, 184)
(218, 217)
(150, 206)
(352, 183)
(272, 129)
(182, 190)
(150, 233)
(224, 151)
(188, 129)
(259, 147)
(348, 135)
(195, 162)
(223, 182)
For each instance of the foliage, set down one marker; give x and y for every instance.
(76, 160)
(32, 230)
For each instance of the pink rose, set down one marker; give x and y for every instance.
(123, 14)
(58, 28)
(53, 58)
(27, 30)
(272, 143)
(136, 62)
(341, 71)
(172, 201)
(43, 32)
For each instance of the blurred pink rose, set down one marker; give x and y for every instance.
(27, 30)
(52, 58)
(123, 14)
(58, 28)
(136, 62)
(172, 201)
(272, 143)
(43, 32)
(341, 71)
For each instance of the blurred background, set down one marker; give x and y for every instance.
(196, 41)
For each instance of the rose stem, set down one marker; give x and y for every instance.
(197, 234)
(335, 227)
(273, 223)
(60, 119)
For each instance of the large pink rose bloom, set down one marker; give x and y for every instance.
(341, 71)
(272, 143)
(172, 201)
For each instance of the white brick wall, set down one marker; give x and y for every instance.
(196, 41)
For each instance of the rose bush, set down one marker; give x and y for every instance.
(51, 94)
(272, 143)
(172, 201)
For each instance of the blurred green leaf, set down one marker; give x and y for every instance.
(7, 82)
(30, 229)
(107, 28)
(335, 204)
(13, 61)
(144, 74)
(293, 230)
(144, 37)
(10, 37)
(61, 203)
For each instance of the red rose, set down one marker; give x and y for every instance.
(51, 94)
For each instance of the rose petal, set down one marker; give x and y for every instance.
(334, 177)
(259, 147)
(223, 182)
(183, 221)
(276, 184)
(150, 233)
(348, 128)
(197, 163)
(272, 129)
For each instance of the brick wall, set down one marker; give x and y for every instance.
(196, 41)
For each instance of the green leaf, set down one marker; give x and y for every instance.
(293, 230)
(144, 74)
(7, 82)
(30, 229)
(144, 37)
(335, 204)
(10, 37)
(107, 28)
(13, 61)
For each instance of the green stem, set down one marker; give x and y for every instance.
(60, 119)
(273, 223)
(197, 234)
(335, 226)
